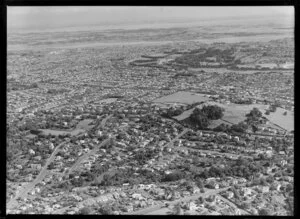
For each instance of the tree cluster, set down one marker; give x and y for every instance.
(241, 127)
(128, 176)
(194, 57)
(200, 118)
(177, 175)
(255, 114)
(240, 168)
(143, 156)
(222, 128)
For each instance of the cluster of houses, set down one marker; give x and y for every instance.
(136, 127)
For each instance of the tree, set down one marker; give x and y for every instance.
(270, 179)
(285, 113)
(221, 128)
(289, 187)
(273, 108)
(105, 209)
(236, 194)
(256, 113)
(177, 209)
(106, 179)
(254, 116)
(201, 200)
(263, 182)
(245, 205)
(240, 127)
(85, 211)
(34, 85)
(201, 117)
(200, 184)
(213, 112)
(173, 176)
(199, 120)
(254, 128)
(264, 211)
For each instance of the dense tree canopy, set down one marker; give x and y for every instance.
(200, 118)
(240, 127)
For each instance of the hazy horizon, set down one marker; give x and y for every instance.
(31, 19)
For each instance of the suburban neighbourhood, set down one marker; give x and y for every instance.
(179, 128)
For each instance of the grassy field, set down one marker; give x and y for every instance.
(182, 97)
(109, 100)
(56, 132)
(234, 113)
(284, 121)
(215, 123)
(184, 115)
(82, 126)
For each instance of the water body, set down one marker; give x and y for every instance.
(230, 39)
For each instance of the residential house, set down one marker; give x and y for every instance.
(51, 146)
(236, 138)
(19, 167)
(86, 150)
(141, 186)
(269, 153)
(213, 184)
(276, 186)
(234, 181)
(195, 189)
(116, 195)
(264, 189)
(229, 194)
(246, 191)
(186, 193)
(242, 180)
(32, 152)
(137, 196)
(36, 166)
(191, 206)
(58, 158)
(176, 195)
(281, 153)
(127, 208)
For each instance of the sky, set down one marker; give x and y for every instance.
(42, 18)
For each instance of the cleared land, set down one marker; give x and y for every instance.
(82, 126)
(234, 113)
(284, 121)
(182, 97)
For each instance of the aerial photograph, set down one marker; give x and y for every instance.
(150, 110)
